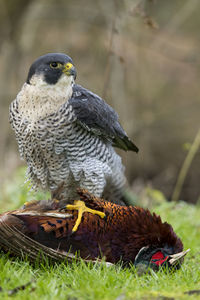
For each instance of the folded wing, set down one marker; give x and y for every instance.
(94, 114)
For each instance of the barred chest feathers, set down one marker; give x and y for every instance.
(40, 119)
(52, 144)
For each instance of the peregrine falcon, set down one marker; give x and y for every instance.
(66, 133)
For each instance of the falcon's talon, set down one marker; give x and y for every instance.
(81, 207)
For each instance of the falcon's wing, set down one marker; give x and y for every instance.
(97, 116)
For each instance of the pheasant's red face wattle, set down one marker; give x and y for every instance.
(158, 258)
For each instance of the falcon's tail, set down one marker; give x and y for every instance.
(125, 144)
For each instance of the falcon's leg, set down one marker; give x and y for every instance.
(56, 194)
(81, 207)
(115, 186)
(94, 186)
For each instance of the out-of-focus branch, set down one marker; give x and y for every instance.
(185, 167)
(108, 64)
(139, 10)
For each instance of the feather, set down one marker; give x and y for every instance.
(94, 114)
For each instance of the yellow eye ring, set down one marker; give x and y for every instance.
(55, 65)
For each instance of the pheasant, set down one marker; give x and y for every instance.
(129, 234)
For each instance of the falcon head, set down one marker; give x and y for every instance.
(52, 68)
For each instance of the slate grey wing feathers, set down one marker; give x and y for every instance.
(96, 115)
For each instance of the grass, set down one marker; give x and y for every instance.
(85, 281)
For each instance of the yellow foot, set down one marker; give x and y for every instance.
(81, 207)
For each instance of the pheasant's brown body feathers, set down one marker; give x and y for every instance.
(120, 235)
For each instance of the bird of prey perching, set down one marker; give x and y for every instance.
(66, 134)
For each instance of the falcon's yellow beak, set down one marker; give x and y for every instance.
(69, 70)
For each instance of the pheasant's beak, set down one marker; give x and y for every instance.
(175, 258)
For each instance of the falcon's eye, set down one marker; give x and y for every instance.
(55, 65)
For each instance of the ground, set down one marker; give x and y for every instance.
(81, 281)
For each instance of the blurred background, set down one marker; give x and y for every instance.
(141, 56)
